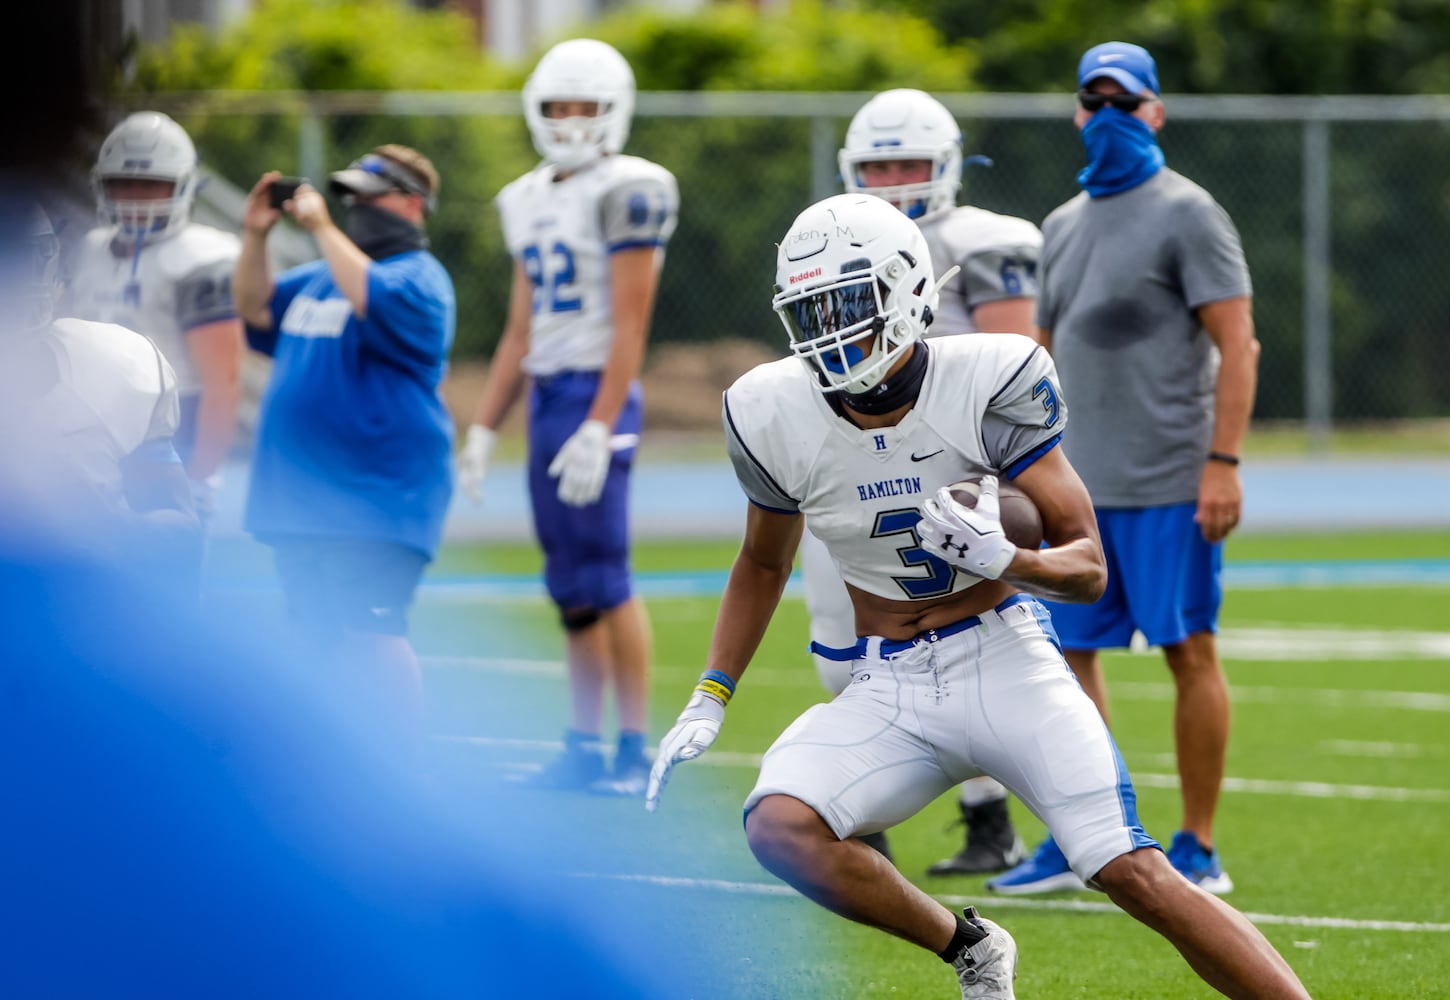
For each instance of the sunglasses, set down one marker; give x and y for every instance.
(1092, 101)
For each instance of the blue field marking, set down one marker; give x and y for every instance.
(702, 499)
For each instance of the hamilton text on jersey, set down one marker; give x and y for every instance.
(889, 487)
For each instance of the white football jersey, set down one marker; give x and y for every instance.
(85, 397)
(171, 286)
(987, 405)
(563, 231)
(998, 256)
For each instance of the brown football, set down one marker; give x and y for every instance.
(1020, 518)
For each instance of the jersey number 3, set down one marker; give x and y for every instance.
(553, 277)
(938, 582)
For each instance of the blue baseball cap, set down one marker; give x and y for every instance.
(1129, 64)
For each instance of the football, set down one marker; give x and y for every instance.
(1020, 518)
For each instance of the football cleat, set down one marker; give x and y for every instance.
(579, 766)
(628, 780)
(1046, 871)
(986, 969)
(1198, 864)
(992, 844)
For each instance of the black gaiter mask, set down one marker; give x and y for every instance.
(380, 233)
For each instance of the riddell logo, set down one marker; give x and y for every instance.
(816, 273)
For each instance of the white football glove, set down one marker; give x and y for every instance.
(968, 538)
(473, 460)
(582, 464)
(693, 733)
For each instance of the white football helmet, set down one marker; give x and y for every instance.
(854, 288)
(146, 146)
(906, 125)
(581, 69)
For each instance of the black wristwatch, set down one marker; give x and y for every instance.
(1224, 457)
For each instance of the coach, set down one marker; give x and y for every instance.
(352, 471)
(1146, 305)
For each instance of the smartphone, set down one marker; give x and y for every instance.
(285, 188)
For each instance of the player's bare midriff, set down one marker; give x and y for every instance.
(906, 619)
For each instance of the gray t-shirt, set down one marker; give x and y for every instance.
(1122, 278)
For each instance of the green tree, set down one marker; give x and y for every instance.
(1208, 46)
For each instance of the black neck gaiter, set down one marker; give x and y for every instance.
(896, 391)
(380, 233)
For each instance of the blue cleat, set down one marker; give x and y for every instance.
(1046, 871)
(1198, 864)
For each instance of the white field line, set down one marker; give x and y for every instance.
(1321, 643)
(1382, 749)
(990, 902)
(1416, 701)
(805, 677)
(1255, 786)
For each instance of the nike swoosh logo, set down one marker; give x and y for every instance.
(923, 458)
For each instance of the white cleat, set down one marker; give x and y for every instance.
(987, 968)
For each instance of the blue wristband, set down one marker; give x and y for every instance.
(719, 678)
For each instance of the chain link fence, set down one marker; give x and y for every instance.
(1343, 205)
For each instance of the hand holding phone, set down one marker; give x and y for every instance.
(283, 189)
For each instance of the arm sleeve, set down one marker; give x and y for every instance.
(759, 485)
(205, 295)
(640, 212)
(288, 285)
(1007, 271)
(410, 311)
(1026, 416)
(1211, 256)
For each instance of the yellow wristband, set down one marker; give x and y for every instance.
(714, 689)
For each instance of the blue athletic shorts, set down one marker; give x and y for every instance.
(586, 549)
(334, 585)
(1164, 580)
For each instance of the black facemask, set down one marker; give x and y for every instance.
(380, 233)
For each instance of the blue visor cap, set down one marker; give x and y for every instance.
(1129, 64)
(373, 175)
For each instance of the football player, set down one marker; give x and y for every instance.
(148, 267)
(587, 230)
(956, 670)
(903, 146)
(87, 415)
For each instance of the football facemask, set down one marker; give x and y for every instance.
(839, 331)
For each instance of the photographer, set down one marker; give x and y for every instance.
(351, 474)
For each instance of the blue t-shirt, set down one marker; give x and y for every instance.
(354, 439)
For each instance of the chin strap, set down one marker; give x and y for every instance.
(897, 391)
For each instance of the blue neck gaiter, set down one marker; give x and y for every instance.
(1122, 153)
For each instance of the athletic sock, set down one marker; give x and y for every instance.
(631, 745)
(967, 934)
